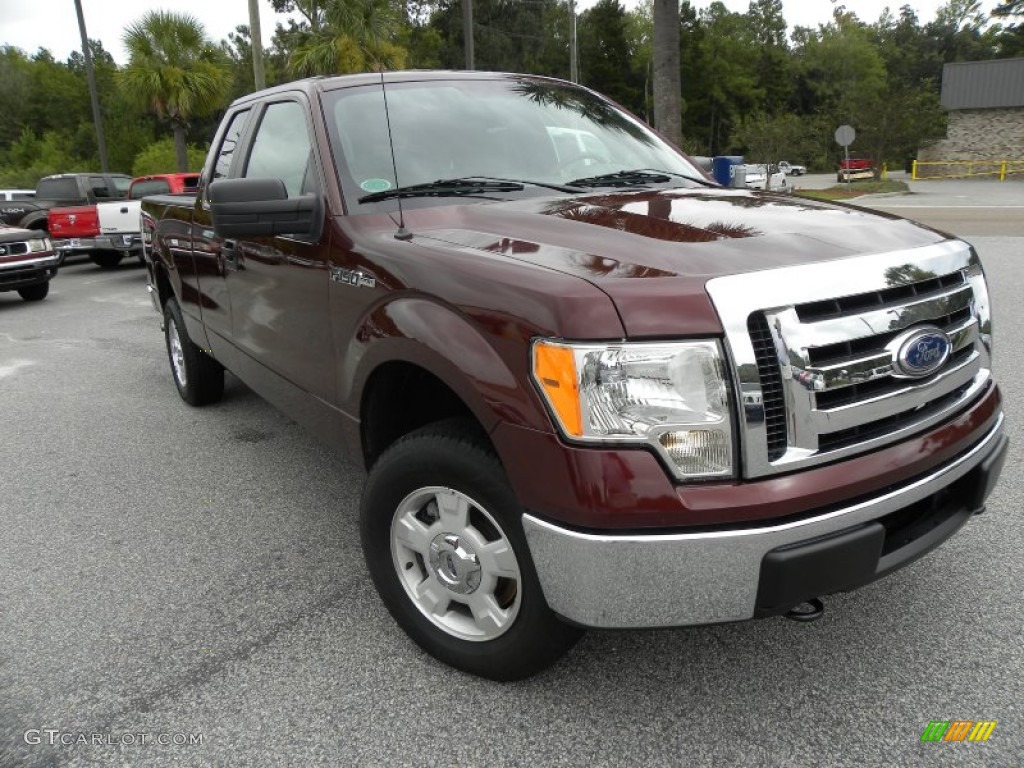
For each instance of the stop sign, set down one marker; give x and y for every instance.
(845, 135)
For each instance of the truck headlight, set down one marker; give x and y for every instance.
(39, 245)
(672, 396)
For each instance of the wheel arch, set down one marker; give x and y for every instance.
(433, 363)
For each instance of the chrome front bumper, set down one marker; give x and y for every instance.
(651, 580)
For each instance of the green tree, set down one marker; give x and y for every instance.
(237, 49)
(161, 155)
(842, 80)
(1010, 39)
(640, 38)
(510, 36)
(605, 60)
(774, 70)
(726, 86)
(339, 36)
(766, 138)
(174, 70)
(961, 32)
(910, 113)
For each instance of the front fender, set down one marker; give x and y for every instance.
(488, 371)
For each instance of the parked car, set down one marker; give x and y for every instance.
(74, 230)
(569, 389)
(27, 262)
(63, 190)
(16, 194)
(791, 169)
(859, 166)
(120, 231)
(107, 232)
(757, 178)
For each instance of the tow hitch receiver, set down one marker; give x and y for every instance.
(811, 610)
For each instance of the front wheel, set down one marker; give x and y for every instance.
(198, 377)
(443, 540)
(35, 292)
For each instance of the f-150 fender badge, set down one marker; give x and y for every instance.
(352, 277)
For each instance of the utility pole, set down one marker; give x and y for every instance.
(256, 38)
(574, 62)
(94, 95)
(467, 31)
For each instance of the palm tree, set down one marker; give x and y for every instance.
(174, 70)
(345, 36)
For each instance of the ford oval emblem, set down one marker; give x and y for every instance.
(919, 352)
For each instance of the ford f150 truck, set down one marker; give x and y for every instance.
(589, 391)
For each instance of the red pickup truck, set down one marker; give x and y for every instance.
(858, 166)
(591, 387)
(74, 229)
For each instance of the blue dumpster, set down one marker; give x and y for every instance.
(723, 168)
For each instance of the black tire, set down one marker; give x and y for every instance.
(198, 377)
(35, 292)
(106, 259)
(449, 458)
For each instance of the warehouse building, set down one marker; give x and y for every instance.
(985, 100)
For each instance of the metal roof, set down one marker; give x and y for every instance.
(983, 84)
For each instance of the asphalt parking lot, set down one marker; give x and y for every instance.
(169, 573)
(968, 207)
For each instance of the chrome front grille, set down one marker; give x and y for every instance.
(770, 379)
(818, 346)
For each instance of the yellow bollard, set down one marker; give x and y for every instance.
(1002, 171)
(885, 171)
(913, 170)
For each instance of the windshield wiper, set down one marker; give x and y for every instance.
(545, 184)
(636, 178)
(444, 188)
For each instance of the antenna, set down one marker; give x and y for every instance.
(402, 233)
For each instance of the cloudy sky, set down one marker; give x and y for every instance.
(52, 24)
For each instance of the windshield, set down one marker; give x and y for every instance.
(521, 129)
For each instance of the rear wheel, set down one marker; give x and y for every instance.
(443, 541)
(106, 259)
(36, 292)
(198, 377)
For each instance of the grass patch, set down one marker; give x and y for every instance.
(856, 189)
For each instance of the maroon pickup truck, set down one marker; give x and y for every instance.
(591, 387)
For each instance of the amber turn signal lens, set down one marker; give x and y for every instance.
(555, 370)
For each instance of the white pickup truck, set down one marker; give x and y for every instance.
(791, 169)
(119, 222)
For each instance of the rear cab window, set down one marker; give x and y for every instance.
(58, 189)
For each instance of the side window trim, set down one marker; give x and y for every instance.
(255, 124)
(206, 176)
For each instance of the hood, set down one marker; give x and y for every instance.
(653, 251)
(18, 235)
